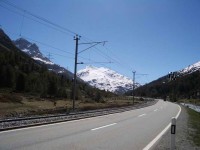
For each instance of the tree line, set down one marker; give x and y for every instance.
(187, 86)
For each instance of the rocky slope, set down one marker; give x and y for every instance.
(34, 52)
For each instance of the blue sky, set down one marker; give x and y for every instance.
(149, 36)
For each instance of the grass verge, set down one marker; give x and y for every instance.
(21, 105)
(190, 101)
(194, 124)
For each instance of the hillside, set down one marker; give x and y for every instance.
(20, 73)
(184, 84)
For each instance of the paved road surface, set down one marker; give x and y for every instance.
(131, 130)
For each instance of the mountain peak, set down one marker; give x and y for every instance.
(22, 40)
(22, 43)
(105, 79)
(90, 67)
(32, 50)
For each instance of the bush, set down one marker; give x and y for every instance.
(10, 98)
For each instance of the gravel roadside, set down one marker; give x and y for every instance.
(183, 140)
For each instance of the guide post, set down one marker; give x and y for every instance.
(173, 133)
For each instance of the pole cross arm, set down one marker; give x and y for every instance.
(98, 62)
(80, 63)
(94, 44)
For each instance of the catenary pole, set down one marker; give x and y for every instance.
(133, 84)
(76, 38)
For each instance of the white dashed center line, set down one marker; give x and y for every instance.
(103, 126)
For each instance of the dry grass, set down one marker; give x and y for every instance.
(194, 123)
(191, 101)
(13, 104)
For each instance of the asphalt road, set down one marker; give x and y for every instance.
(131, 130)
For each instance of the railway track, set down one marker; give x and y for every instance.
(14, 123)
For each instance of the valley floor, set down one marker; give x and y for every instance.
(20, 105)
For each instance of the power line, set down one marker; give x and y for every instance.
(109, 58)
(97, 62)
(38, 17)
(22, 24)
(48, 23)
(45, 24)
(48, 45)
(44, 20)
(61, 55)
(94, 44)
(119, 61)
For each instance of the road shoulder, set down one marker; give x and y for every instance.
(183, 140)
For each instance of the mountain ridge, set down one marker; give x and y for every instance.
(191, 68)
(184, 83)
(32, 50)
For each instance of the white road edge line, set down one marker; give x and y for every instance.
(161, 133)
(155, 109)
(142, 115)
(103, 126)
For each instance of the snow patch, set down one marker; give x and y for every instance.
(46, 62)
(25, 50)
(60, 71)
(191, 68)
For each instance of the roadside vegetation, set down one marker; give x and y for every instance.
(194, 125)
(190, 101)
(20, 104)
(184, 87)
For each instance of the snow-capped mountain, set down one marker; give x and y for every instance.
(106, 79)
(33, 51)
(191, 68)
